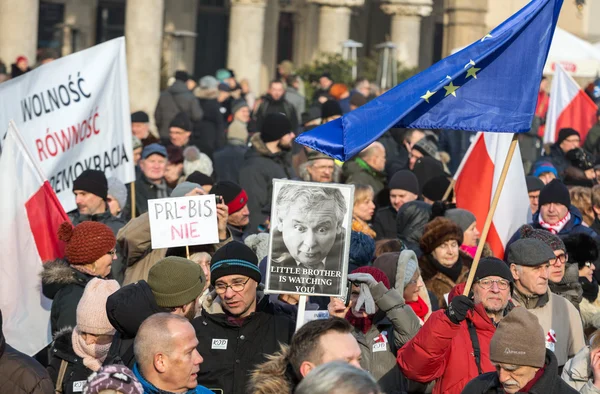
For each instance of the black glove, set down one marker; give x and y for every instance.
(458, 308)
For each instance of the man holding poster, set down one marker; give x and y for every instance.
(308, 238)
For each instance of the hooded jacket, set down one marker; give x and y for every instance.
(256, 178)
(410, 223)
(358, 172)
(274, 376)
(577, 373)
(19, 373)
(127, 309)
(231, 351)
(76, 373)
(175, 99)
(437, 282)
(64, 285)
(443, 351)
(549, 382)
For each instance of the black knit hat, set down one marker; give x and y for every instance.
(330, 108)
(275, 126)
(555, 192)
(565, 133)
(92, 181)
(140, 117)
(533, 183)
(405, 180)
(233, 195)
(492, 266)
(435, 188)
(200, 178)
(182, 120)
(234, 258)
(581, 248)
(181, 75)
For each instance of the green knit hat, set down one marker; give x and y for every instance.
(176, 281)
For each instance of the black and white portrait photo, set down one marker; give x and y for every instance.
(310, 237)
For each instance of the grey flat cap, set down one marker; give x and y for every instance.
(529, 252)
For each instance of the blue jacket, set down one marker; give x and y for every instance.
(150, 389)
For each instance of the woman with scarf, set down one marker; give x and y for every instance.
(78, 352)
(382, 324)
(363, 210)
(89, 253)
(443, 265)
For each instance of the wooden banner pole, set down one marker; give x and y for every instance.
(490, 216)
(132, 200)
(187, 251)
(449, 189)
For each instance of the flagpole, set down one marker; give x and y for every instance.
(490, 216)
(449, 189)
(132, 199)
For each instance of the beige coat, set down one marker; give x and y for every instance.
(590, 313)
(139, 257)
(578, 375)
(559, 315)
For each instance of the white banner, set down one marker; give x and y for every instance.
(189, 220)
(73, 114)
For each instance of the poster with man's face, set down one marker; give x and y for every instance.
(310, 238)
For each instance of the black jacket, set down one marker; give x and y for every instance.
(256, 178)
(384, 223)
(230, 352)
(549, 383)
(117, 269)
(127, 308)
(76, 374)
(269, 106)
(173, 100)
(228, 161)
(144, 191)
(410, 223)
(209, 132)
(64, 285)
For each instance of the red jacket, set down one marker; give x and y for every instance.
(443, 351)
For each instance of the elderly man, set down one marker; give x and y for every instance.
(461, 353)
(238, 329)
(523, 364)
(534, 187)
(319, 168)
(367, 168)
(308, 239)
(236, 200)
(404, 187)
(140, 127)
(315, 343)
(180, 131)
(166, 355)
(530, 260)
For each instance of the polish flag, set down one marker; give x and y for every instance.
(569, 106)
(31, 215)
(476, 182)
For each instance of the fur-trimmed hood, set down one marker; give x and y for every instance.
(273, 376)
(58, 274)
(62, 344)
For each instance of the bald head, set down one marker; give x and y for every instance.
(156, 336)
(374, 156)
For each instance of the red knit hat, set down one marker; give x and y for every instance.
(86, 242)
(376, 273)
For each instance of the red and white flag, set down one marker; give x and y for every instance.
(31, 215)
(569, 106)
(476, 182)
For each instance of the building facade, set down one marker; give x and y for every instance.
(252, 36)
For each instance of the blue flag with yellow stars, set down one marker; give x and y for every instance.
(491, 85)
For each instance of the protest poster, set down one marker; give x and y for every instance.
(310, 238)
(73, 115)
(181, 221)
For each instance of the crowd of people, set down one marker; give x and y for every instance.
(132, 319)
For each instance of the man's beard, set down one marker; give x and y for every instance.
(285, 148)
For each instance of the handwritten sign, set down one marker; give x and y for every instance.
(183, 221)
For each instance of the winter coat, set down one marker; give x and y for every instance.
(577, 373)
(127, 309)
(64, 285)
(455, 143)
(393, 326)
(175, 99)
(256, 178)
(293, 97)
(144, 191)
(21, 374)
(569, 287)
(269, 106)
(410, 223)
(559, 316)
(209, 132)
(357, 172)
(438, 283)
(570, 174)
(117, 269)
(275, 375)
(549, 382)
(396, 155)
(592, 140)
(138, 255)
(590, 313)
(229, 160)
(76, 374)
(149, 388)
(230, 351)
(443, 351)
(384, 223)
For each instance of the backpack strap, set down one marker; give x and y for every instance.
(476, 347)
(61, 376)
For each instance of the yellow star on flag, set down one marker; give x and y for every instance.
(451, 89)
(427, 96)
(472, 72)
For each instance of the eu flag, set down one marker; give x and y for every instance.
(490, 85)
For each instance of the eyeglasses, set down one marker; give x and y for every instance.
(488, 283)
(221, 288)
(113, 252)
(562, 259)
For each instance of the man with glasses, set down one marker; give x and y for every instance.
(568, 139)
(240, 327)
(452, 347)
(319, 168)
(529, 261)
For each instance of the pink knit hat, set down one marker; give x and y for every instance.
(91, 310)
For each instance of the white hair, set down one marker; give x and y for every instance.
(338, 377)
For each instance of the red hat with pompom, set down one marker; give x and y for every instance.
(86, 242)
